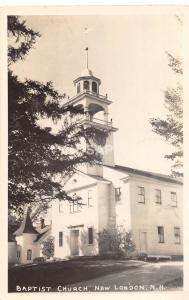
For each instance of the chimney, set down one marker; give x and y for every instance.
(42, 223)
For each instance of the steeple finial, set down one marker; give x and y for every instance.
(86, 49)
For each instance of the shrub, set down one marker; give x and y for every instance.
(117, 242)
(142, 256)
(48, 247)
(39, 260)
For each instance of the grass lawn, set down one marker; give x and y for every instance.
(64, 272)
(176, 283)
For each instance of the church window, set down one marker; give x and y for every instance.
(94, 87)
(90, 235)
(78, 88)
(74, 207)
(29, 254)
(141, 194)
(18, 254)
(158, 196)
(60, 239)
(118, 194)
(86, 85)
(177, 235)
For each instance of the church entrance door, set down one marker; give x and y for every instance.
(74, 242)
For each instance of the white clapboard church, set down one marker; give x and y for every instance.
(146, 203)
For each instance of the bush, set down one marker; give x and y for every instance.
(142, 256)
(117, 242)
(39, 260)
(48, 247)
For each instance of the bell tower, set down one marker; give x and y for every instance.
(88, 98)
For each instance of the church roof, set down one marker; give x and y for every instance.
(86, 72)
(43, 232)
(95, 177)
(146, 174)
(26, 226)
(99, 178)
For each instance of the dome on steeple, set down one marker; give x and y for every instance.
(86, 73)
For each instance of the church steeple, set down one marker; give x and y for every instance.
(89, 99)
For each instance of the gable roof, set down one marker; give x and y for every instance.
(45, 230)
(88, 180)
(26, 226)
(146, 174)
(98, 178)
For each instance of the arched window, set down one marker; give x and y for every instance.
(94, 87)
(86, 85)
(78, 88)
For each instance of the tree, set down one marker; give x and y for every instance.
(117, 242)
(40, 159)
(171, 128)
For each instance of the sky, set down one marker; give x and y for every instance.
(128, 53)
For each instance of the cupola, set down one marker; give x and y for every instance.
(87, 82)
